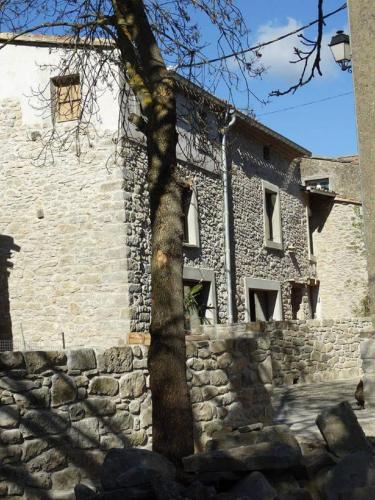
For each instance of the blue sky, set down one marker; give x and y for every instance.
(326, 128)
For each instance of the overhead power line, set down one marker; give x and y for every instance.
(305, 104)
(260, 45)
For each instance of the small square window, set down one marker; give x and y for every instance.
(263, 300)
(66, 98)
(272, 216)
(262, 304)
(191, 216)
(322, 184)
(266, 153)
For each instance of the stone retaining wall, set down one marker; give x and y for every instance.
(314, 351)
(60, 411)
(305, 351)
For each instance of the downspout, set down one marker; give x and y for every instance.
(227, 254)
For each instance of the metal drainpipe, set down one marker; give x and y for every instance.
(227, 255)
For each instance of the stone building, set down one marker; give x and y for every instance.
(361, 20)
(336, 238)
(75, 238)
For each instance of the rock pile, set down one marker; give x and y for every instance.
(251, 463)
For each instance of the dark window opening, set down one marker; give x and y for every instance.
(296, 300)
(186, 201)
(266, 153)
(311, 236)
(314, 300)
(262, 304)
(196, 300)
(271, 199)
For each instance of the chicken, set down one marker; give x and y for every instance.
(359, 396)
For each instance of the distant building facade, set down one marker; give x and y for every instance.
(336, 236)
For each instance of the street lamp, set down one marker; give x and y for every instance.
(340, 47)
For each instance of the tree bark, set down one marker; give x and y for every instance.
(144, 67)
(172, 415)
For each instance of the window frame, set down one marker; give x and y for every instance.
(191, 219)
(277, 241)
(206, 275)
(310, 235)
(267, 286)
(58, 82)
(315, 180)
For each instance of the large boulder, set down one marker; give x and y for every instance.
(352, 479)
(83, 492)
(120, 461)
(253, 487)
(287, 486)
(316, 460)
(10, 360)
(270, 434)
(340, 428)
(267, 456)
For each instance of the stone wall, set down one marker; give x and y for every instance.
(63, 264)
(75, 242)
(315, 351)
(362, 14)
(60, 411)
(209, 255)
(340, 252)
(343, 173)
(252, 259)
(338, 238)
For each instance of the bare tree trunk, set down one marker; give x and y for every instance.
(172, 415)
(172, 422)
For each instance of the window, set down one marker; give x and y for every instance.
(296, 298)
(66, 98)
(262, 304)
(196, 299)
(310, 227)
(318, 184)
(262, 300)
(199, 297)
(201, 133)
(314, 300)
(272, 216)
(191, 217)
(266, 153)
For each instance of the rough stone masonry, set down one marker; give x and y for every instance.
(60, 411)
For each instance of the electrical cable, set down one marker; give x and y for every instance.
(260, 45)
(304, 104)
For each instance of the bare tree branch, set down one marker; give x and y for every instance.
(263, 44)
(305, 56)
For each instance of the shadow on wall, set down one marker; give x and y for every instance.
(321, 207)
(61, 411)
(53, 434)
(230, 383)
(7, 247)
